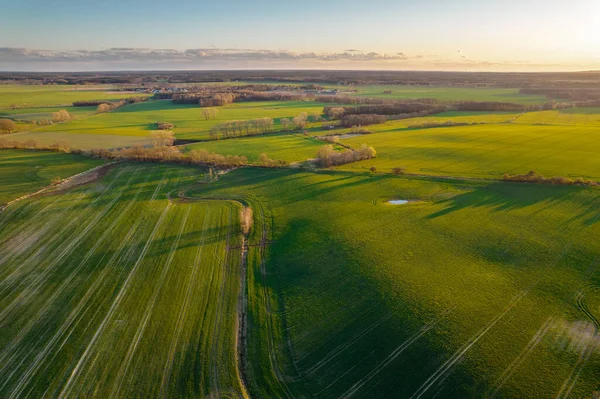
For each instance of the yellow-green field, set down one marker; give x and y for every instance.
(283, 147)
(490, 150)
(31, 96)
(24, 172)
(115, 290)
(141, 282)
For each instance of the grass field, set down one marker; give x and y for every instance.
(284, 147)
(82, 141)
(140, 119)
(30, 96)
(471, 290)
(140, 283)
(486, 150)
(24, 172)
(45, 113)
(449, 93)
(113, 290)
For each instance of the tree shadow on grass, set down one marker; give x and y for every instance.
(502, 196)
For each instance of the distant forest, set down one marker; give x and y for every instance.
(588, 80)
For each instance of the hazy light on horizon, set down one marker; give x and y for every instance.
(432, 34)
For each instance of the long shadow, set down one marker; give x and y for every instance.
(503, 196)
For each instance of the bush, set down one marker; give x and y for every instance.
(327, 156)
(399, 170)
(246, 219)
(362, 120)
(164, 126)
(533, 177)
(7, 126)
(61, 116)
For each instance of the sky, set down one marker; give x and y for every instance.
(457, 35)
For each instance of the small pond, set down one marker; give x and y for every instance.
(398, 202)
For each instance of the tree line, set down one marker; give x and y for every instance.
(95, 103)
(533, 177)
(240, 128)
(327, 156)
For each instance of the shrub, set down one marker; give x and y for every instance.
(246, 219)
(362, 120)
(61, 116)
(7, 126)
(533, 177)
(327, 156)
(164, 126)
(399, 170)
(102, 108)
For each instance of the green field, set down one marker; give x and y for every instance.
(114, 290)
(82, 141)
(140, 119)
(449, 295)
(284, 147)
(486, 151)
(24, 172)
(45, 113)
(449, 93)
(30, 96)
(140, 283)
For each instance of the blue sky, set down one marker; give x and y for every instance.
(431, 34)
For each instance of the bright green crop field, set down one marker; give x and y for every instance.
(24, 172)
(473, 289)
(140, 119)
(45, 113)
(449, 93)
(24, 96)
(144, 283)
(114, 290)
(486, 151)
(284, 147)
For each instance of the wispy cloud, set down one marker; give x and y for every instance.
(16, 59)
(190, 55)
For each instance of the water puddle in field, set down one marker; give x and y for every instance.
(398, 202)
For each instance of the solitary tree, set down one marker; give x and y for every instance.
(246, 219)
(163, 138)
(61, 116)
(7, 126)
(103, 108)
(210, 113)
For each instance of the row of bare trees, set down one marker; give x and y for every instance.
(95, 103)
(327, 156)
(533, 177)
(8, 126)
(109, 106)
(362, 120)
(211, 158)
(58, 146)
(241, 128)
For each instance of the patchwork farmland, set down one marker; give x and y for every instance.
(155, 250)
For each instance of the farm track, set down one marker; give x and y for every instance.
(580, 300)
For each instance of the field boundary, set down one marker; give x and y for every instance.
(242, 305)
(62, 182)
